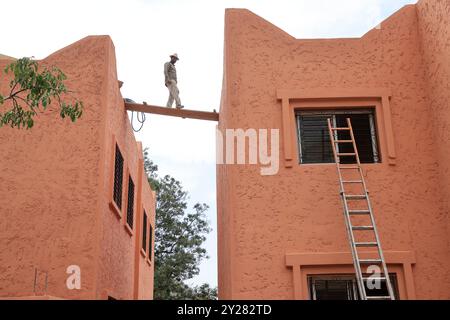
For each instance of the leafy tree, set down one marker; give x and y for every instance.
(179, 236)
(203, 292)
(35, 88)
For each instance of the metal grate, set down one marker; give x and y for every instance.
(118, 178)
(344, 287)
(144, 232)
(130, 205)
(314, 139)
(150, 240)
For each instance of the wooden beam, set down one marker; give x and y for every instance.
(173, 112)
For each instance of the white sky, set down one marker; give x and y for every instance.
(145, 32)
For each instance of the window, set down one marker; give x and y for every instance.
(314, 137)
(150, 240)
(144, 232)
(118, 177)
(130, 205)
(344, 287)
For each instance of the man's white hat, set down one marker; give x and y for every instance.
(175, 55)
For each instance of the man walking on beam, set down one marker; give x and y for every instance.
(170, 74)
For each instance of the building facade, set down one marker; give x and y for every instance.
(282, 236)
(77, 213)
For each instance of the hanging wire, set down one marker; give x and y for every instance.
(141, 120)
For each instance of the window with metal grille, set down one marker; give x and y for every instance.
(144, 232)
(150, 240)
(118, 178)
(344, 287)
(314, 138)
(130, 205)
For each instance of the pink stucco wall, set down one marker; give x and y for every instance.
(56, 182)
(434, 29)
(147, 263)
(268, 225)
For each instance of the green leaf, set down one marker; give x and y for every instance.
(30, 123)
(38, 85)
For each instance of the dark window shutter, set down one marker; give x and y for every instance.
(118, 178)
(363, 137)
(130, 205)
(144, 232)
(344, 287)
(150, 240)
(334, 289)
(383, 290)
(315, 139)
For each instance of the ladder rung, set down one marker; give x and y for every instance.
(358, 211)
(362, 228)
(345, 154)
(355, 167)
(351, 181)
(341, 128)
(379, 298)
(374, 278)
(355, 196)
(366, 244)
(343, 141)
(369, 261)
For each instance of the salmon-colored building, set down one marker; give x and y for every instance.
(76, 211)
(283, 236)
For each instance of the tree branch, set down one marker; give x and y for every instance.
(11, 96)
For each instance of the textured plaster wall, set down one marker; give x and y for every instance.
(147, 266)
(49, 186)
(117, 246)
(55, 183)
(225, 233)
(434, 28)
(298, 210)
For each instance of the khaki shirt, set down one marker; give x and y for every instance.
(170, 73)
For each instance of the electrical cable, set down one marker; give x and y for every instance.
(141, 121)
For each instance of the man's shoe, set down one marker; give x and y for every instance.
(180, 107)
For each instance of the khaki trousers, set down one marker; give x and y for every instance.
(173, 94)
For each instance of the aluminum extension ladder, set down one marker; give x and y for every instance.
(352, 199)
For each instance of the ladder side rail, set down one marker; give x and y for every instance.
(356, 264)
(380, 252)
(336, 159)
(372, 219)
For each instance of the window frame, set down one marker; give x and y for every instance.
(371, 112)
(346, 277)
(112, 169)
(312, 288)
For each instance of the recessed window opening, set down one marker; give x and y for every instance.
(314, 139)
(118, 178)
(345, 287)
(130, 205)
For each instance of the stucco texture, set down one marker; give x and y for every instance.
(56, 186)
(261, 219)
(434, 29)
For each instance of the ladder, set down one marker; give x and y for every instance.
(349, 201)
